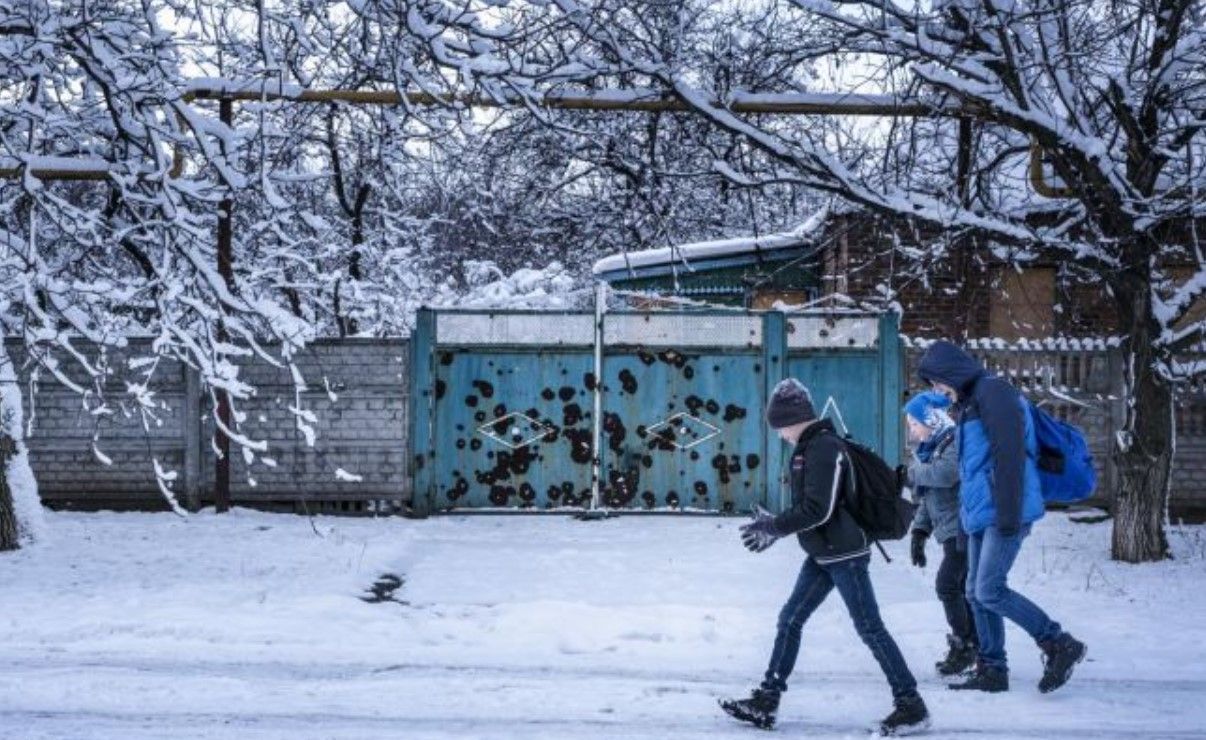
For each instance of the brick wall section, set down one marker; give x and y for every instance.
(955, 297)
(363, 431)
(1085, 310)
(1189, 464)
(1189, 479)
(952, 300)
(64, 425)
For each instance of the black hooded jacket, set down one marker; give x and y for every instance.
(818, 518)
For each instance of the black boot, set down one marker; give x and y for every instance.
(759, 710)
(909, 716)
(1060, 656)
(960, 657)
(991, 680)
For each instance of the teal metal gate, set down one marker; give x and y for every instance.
(509, 408)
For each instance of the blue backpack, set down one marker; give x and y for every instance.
(1065, 465)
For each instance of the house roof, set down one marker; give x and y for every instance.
(709, 254)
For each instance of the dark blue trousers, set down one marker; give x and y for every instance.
(853, 582)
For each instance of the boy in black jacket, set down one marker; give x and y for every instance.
(838, 556)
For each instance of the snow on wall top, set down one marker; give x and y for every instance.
(487, 286)
(686, 253)
(1049, 344)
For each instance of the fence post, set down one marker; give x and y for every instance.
(422, 399)
(596, 465)
(891, 391)
(774, 365)
(1117, 417)
(192, 438)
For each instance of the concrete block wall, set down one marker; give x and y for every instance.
(65, 427)
(357, 389)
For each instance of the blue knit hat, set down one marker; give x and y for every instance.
(929, 408)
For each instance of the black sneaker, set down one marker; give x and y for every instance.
(1060, 656)
(759, 710)
(909, 717)
(960, 657)
(987, 679)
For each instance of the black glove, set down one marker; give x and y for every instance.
(902, 476)
(760, 534)
(918, 547)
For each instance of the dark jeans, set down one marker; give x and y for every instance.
(952, 590)
(853, 582)
(990, 556)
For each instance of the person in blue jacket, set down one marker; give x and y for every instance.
(1000, 498)
(933, 475)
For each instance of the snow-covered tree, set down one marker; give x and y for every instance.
(86, 266)
(1111, 93)
(344, 218)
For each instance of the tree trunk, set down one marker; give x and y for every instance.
(8, 517)
(20, 507)
(1144, 450)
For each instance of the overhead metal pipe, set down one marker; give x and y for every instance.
(797, 104)
(849, 104)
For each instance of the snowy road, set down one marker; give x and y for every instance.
(249, 626)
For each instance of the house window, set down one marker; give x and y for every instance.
(1197, 310)
(1022, 304)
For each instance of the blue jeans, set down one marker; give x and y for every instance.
(990, 555)
(853, 582)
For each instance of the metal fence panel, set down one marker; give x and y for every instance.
(681, 396)
(513, 429)
(683, 429)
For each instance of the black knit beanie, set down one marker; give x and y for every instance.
(790, 404)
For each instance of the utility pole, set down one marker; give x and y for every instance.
(226, 270)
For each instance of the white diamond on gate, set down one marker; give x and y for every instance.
(522, 429)
(686, 425)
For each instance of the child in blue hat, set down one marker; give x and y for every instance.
(934, 479)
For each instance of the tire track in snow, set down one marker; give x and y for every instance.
(348, 671)
(48, 725)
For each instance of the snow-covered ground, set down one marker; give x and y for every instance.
(249, 625)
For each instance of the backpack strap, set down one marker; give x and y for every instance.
(882, 551)
(945, 443)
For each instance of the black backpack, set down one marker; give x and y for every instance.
(875, 496)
